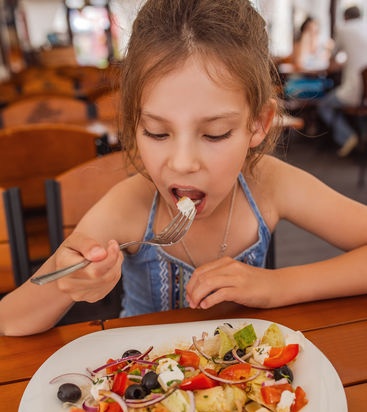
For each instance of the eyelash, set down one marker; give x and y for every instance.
(220, 137)
(161, 136)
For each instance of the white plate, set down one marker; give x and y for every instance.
(312, 370)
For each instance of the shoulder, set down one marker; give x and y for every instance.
(279, 187)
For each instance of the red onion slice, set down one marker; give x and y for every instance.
(72, 375)
(127, 358)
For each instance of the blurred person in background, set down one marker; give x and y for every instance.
(351, 38)
(310, 52)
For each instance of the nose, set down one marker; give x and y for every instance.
(184, 156)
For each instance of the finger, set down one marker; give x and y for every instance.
(209, 284)
(221, 295)
(89, 248)
(200, 272)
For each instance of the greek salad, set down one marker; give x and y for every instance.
(226, 369)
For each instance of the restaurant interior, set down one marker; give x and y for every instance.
(59, 93)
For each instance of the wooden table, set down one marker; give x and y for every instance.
(338, 327)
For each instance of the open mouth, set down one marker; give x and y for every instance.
(197, 196)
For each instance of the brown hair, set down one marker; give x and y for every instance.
(166, 32)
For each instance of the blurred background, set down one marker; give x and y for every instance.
(95, 32)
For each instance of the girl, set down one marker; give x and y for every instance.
(198, 113)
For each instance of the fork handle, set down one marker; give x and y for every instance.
(43, 279)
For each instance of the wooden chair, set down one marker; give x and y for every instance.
(15, 266)
(358, 116)
(69, 196)
(8, 93)
(31, 154)
(43, 108)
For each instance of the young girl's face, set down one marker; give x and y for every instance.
(193, 135)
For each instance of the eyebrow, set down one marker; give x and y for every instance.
(207, 119)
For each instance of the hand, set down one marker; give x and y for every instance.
(96, 280)
(226, 279)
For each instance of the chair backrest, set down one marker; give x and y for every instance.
(31, 154)
(43, 108)
(14, 260)
(107, 105)
(49, 83)
(71, 194)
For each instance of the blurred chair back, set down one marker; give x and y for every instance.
(31, 154)
(70, 194)
(107, 106)
(8, 93)
(15, 266)
(45, 108)
(50, 83)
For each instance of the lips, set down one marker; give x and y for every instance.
(195, 195)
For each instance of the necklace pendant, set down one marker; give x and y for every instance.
(222, 249)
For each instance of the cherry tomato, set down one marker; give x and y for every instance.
(271, 394)
(200, 381)
(188, 358)
(281, 356)
(120, 383)
(300, 400)
(114, 368)
(236, 372)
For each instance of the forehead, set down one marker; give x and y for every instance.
(193, 70)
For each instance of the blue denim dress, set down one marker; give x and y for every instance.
(155, 281)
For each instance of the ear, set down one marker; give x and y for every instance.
(263, 123)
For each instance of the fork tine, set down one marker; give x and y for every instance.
(172, 227)
(183, 227)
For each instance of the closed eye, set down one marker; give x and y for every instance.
(158, 136)
(219, 137)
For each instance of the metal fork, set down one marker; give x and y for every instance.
(170, 235)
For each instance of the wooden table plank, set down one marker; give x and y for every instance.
(307, 316)
(20, 357)
(345, 347)
(356, 397)
(11, 394)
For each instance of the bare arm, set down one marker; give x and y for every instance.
(31, 308)
(308, 203)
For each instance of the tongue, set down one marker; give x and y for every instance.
(192, 194)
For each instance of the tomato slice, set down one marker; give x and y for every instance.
(271, 394)
(236, 372)
(120, 383)
(114, 368)
(281, 356)
(300, 400)
(188, 358)
(109, 407)
(200, 381)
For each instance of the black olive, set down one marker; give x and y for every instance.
(283, 372)
(68, 392)
(229, 355)
(136, 391)
(150, 381)
(217, 329)
(131, 352)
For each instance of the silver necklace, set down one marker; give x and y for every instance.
(224, 245)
